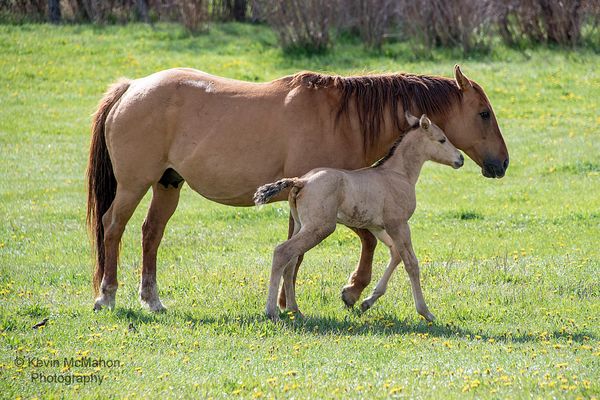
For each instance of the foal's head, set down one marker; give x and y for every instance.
(433, 142)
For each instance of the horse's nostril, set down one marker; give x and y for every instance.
(460, 162)
(505, 164)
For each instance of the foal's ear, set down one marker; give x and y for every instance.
(411, 119)
(462, 81)
(424, 122)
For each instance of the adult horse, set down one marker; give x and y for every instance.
(225, 138)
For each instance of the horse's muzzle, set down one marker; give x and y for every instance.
(494, 168)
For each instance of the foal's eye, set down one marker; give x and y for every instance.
(442, 141)
(485, 115)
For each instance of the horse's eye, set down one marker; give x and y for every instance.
(442, 141)
(485, 115)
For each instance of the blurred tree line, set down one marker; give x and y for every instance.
(312, 25)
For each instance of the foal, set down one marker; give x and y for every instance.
(380, 198)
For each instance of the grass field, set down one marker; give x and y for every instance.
(511, 267)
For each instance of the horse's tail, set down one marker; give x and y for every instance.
(101, 182)
(266, 192)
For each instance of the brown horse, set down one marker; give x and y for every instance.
(225, 138)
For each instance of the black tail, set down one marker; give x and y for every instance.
(266, 192)
(102, 185)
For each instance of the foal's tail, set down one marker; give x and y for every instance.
(266, 192)
(101, 182)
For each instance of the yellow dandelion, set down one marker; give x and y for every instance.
(396, 389)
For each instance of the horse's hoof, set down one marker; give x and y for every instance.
(154, 306)
(348, 297)
(149, 298)
(103, 303)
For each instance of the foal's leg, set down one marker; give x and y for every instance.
(164, 203)
(284, 255)
(282, 296)
(114, 221)
(401, 238)
(383, 282)
(289, 284)
(289, 277)
(361, 277)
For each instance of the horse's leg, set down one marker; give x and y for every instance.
(282, 296)
(114, 221)
(401, 238)
(285, 253)
(164, 203)
(383, 282)
(361, 277)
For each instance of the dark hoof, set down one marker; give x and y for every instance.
(348, 298)
(365, 306)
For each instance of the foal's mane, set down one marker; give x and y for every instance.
(392, 149)
(374, 95)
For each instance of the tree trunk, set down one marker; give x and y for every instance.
(239, 9)
(54, 11)
(142, 7)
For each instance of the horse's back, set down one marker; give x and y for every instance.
(224, 137)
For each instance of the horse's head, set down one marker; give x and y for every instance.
(472, 127)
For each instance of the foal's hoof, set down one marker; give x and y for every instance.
(365, 305)
(349, 297)
(273, 315)
(429, 317)
(295, 314)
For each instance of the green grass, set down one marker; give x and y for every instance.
(510, 267)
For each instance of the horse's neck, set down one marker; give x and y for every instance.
(370, 151)
(407, 160)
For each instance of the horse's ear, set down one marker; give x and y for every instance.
(424, 122)
(462, 81)
(411, 119)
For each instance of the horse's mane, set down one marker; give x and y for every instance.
(392, 149)
(374, 95)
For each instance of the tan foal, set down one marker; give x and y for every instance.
(380, 199)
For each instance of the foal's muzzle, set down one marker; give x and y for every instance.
(460, 162)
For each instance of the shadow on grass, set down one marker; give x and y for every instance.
(352, 323)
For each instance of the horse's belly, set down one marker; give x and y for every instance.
(359, 217)
(229, 172)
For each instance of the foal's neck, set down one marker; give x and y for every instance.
(408, 159)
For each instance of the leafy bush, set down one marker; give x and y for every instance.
(300, 24)
(460, 23)
(545, 21)
(194, 15)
